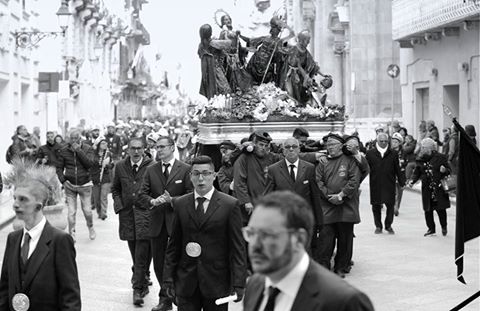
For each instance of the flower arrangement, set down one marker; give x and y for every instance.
(265, 103)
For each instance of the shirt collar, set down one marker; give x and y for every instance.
(290, 284)
(169, 162)
(294, 163)
(36, 231)
(207, 196)
(138, 163)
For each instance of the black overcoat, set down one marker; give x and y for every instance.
(134, 218)
(442, 201)
(384, 173)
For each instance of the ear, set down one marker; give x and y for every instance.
(302, 237)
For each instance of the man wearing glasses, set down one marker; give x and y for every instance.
(285, 277)
(163, 180)
(298, 176)
(206, 257)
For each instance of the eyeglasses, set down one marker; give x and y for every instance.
(290, 146)
(163, 146)
(250, 234)
(136, 148)
(204, 173)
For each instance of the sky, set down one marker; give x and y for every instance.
(173, 28)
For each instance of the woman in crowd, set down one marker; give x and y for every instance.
(431, 168)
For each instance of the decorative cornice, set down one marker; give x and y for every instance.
(413, 17)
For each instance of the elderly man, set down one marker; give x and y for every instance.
(285, 277)
(298, 176)
(338, 180)
(134, 218)
(206, 257)
(250, 171)
(39, 268)
(75, 160)
(431, 168)
(384, 173)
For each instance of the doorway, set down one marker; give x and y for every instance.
(422, 102)
(451, 99)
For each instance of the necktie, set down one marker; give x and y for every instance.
(272, 295)
(165, 171)
(200, 208)
(25, 248)
(135, 168)
(292, 172)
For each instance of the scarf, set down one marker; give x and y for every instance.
(382, 150)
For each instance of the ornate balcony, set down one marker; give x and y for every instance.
(412, 18)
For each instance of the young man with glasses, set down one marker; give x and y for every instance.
(285, 277)
(163, 180)
(298, 176)
(206, 257)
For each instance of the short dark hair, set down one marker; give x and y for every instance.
(136, 139)
(49, 132)
(168, 138)
(297, 211)
(300, 131)
(203, 159)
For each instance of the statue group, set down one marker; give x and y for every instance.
(225, 69)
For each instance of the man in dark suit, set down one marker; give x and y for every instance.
(39, 267)
(134, 218)
(384, 173)
(206, 257)
(165, 179)
(279, 230)
(297, 176)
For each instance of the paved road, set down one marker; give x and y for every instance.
(402, 272)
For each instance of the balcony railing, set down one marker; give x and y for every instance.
(410, 17)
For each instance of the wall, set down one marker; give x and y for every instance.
(445, 56)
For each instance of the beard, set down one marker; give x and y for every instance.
(274, 264)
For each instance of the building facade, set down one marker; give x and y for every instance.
(19, 98)
(439, 59)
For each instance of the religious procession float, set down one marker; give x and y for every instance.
(261, 83)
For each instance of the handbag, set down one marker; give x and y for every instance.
(449, 183)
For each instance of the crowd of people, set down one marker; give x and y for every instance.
(291, 206)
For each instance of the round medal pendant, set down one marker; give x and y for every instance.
(20, 302)
(193, 249)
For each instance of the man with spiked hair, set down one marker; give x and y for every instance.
(38, 254)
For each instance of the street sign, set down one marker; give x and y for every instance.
(393, 71)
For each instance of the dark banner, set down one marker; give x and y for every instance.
(468, 196)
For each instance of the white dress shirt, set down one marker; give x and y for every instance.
(169, 167)
(295, 169)
(34, 234)
(136, 163)
(207, 196)
(288, 286)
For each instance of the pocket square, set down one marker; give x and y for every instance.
(305, 182)
(178, 181)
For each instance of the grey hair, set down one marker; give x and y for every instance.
(381, 134)
(428, 143)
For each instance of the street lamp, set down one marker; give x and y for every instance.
(26, 39)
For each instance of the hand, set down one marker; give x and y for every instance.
(335, 199)
(238, 33)
(240, 292)
(249, 208)
(443, 169)
(170, 290)
(76, 146)
(166, 197)
(321, 157)
(106, 161)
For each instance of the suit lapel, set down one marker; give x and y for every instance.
(173, 172)
(14, 263)
(300, 171)
(191, 209)
(212, 207)
(286, 173)
(303, 300)
(256, 289)
(39, 254)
